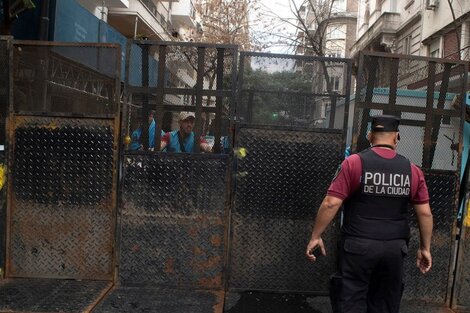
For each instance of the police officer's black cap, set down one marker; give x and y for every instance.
(385, 123)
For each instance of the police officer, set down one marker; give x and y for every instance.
(375, 186)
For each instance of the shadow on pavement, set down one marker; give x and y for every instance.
(258, 302)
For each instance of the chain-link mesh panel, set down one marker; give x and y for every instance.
(280, 185)
(174, 220)
(132, 299)
(301, 91)
(432, 287)
(47, 295)
(182, 61)
(66, 79)
(62, 198)
(427, 94)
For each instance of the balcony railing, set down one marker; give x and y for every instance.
(152, 8)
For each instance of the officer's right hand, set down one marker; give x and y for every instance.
(424, 260)
(314, 242)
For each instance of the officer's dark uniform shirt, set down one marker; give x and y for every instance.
(378, 208)
(387, 196)
(349, 178)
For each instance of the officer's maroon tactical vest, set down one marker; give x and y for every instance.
(379, 208)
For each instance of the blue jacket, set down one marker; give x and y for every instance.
(174, 145)
(135, 138)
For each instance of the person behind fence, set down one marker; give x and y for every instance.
(375, 186)
(183, 139)
(136, 134)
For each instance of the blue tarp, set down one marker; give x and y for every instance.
(73, 23)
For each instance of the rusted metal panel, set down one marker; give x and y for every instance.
(5, 101)
(62, 198)
(280, 185)
(174, 220)
(50, 295)
(432, 287)
(462, 284)
(160, 299)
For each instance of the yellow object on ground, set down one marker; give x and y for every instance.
(466, 220)
(127, 140)
(3, 176)
(240, 152)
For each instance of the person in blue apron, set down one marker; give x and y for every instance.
(376, 187)
(136, 134)
(183, 139)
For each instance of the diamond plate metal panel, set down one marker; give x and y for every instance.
(280, 185)
(62, 198)
(47, 295)
(462, 294)
(432, 287)
(133, 299)
(4, 105)
(254, 302)
(173, 225)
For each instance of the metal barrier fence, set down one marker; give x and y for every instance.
(174, 77)
(279, 187)
(5, 60)
(173, 220)
(461, 288)
(300, 91)
(430, 103)
(63, 132)
(194, 226)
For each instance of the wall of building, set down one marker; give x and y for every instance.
(441, 17)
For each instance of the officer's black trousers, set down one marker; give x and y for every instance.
(372, 275)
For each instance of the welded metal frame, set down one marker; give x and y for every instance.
(6, 107)
(432, 114)
(334, 97)
(234, 286)
(112, 118)
(198, 92)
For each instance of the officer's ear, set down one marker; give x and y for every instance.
(368, 135)
(397, 137)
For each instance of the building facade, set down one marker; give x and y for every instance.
(433, 28)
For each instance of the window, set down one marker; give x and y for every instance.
(335, 53)
(339, 6)
(334, 81)
(335, 32)
(435, 48)
(407, 45)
